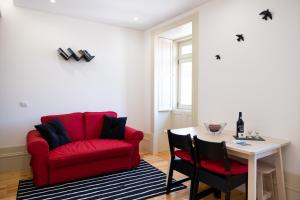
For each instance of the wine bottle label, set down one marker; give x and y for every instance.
(240, 129)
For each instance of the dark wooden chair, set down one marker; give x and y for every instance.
(215, 169)
(182, 159)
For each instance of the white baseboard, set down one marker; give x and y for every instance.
(146, 143)
(292, 185)
(14, 158)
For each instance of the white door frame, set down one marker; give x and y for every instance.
(154, 88)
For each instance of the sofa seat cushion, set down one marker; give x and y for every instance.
(88, 151)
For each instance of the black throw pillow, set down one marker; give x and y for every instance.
(54, 133)
(60, 131)
(113, 128)
(49, 134)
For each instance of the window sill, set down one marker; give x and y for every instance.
(181, 111)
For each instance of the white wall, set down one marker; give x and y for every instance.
(260, 76)
(31, 70)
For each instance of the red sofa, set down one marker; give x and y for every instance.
(86, 155)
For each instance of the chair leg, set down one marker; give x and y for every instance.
(227, 196)
(246, 185)
(217, 194)
(170, 176)
(192, 184)
(195, 186)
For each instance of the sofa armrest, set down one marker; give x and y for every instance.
(36, 145)
(133, 136)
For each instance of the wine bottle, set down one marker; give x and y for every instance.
(240, 126)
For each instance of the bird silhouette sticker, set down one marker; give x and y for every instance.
(218, 57)
(266, 15)
(240, 37)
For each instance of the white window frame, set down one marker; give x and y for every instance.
(182, 59)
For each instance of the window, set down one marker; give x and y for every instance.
(165, 63)
(174, 74)
(184, 90)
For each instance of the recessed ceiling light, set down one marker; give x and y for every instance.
(52, 1)
(136, 19)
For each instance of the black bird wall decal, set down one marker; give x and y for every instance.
(218, 57)
(240, 37)
(266, 14)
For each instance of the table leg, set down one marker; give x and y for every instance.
(252, 173)
(280, 175)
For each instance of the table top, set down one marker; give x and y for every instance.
(255, 147)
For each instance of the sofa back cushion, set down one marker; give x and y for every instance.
(73, 123)
(94, 123)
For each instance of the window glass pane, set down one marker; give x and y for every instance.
(186, 49)
(186, 83)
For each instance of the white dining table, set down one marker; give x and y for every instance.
(252, 153)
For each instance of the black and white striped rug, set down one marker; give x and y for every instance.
(141, 183)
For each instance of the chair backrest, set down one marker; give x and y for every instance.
(215, 151)
(182, 142)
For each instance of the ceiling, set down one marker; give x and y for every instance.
(178, 32)
(136, 14)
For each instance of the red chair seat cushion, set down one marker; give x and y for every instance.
(215, 166)
(184, 155)
(87, 151)
(218, 167)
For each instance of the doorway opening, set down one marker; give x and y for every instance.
(175, 80)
